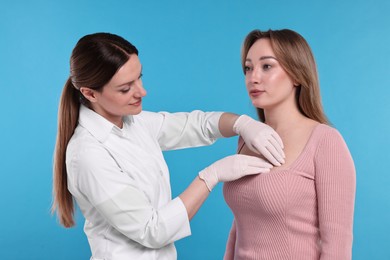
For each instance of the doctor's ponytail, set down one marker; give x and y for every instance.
(94, 61)
(68, 115)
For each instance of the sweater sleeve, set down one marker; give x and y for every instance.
(231, 243)
(335, 186)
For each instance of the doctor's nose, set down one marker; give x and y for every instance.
(140, 92)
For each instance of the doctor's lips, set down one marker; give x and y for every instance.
(137, 103)
(256, 92)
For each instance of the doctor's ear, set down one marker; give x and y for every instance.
(296, 84)
(88, 93)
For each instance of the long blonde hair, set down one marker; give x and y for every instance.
(295, 56)
(94, 61)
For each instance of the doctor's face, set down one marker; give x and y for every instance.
(267, 82)
(123, 94)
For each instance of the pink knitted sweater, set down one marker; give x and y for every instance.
(304, 212)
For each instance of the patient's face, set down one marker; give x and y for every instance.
(267, 83)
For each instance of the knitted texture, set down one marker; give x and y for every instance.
(301, 212)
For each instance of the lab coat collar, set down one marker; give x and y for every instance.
(97, 125)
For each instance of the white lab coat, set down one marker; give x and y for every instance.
(120, 180)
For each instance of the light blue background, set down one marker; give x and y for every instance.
(190, 52)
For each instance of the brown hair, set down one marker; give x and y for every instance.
(295, 56)
(94, 61)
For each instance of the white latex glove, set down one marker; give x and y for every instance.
(260, 138)
(232, 168)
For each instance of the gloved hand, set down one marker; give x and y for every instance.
(232, 168)
(260, 138)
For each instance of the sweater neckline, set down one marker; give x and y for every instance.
(302, 153)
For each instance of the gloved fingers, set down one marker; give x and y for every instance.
(263, 149)
(278, 151)
(277, 138)
(275, 154)
(256, 170)
(253, 161)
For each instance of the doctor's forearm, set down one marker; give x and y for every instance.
(194, 196)
(226, 123)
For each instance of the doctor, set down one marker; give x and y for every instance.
(108, 155)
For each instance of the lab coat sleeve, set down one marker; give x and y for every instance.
(183, 130)
(123, 205)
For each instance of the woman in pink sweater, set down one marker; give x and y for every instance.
(302, 210)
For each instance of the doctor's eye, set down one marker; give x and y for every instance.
(124, 90)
